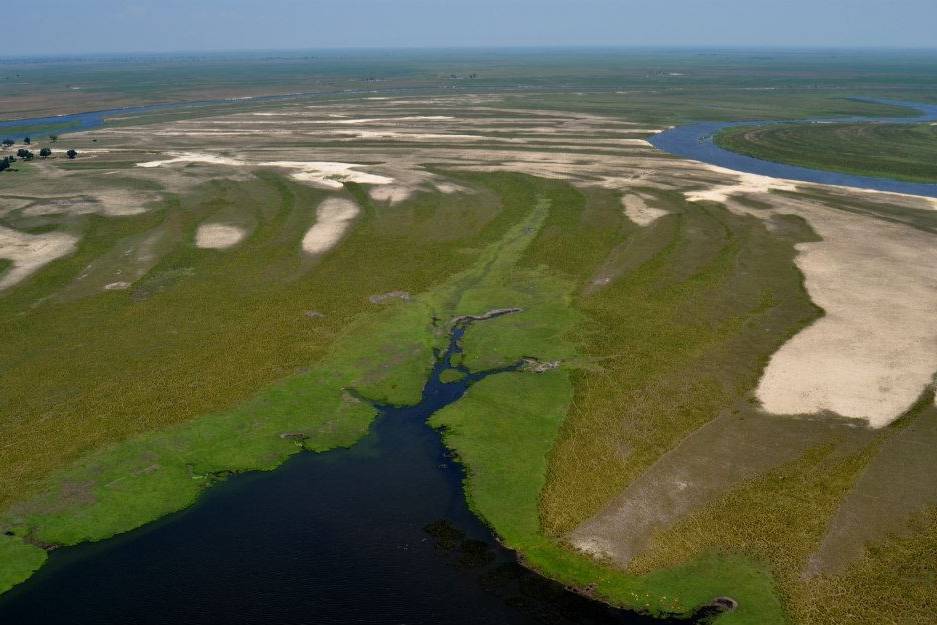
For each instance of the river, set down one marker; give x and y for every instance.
(695, 141)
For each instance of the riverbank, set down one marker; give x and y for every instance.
(903, 152)
(697, 141)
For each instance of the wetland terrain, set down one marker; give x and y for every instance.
(396, 344)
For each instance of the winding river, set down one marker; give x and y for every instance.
(695, 141)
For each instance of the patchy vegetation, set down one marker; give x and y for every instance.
(186, 334)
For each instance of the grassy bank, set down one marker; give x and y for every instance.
(900, 151)
(534, 474)
(94, 447)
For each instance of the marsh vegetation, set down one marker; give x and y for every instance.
(212, 291)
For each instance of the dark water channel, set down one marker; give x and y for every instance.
(379, 533)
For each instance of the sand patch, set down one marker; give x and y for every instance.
(397, 135)
(333, 217)
(875, 349)
(637, 210)
(406, 118)
(218, 236)
(192, 157)
(393, 194)
(29, 252)
(747, 183)
(449, 188)
(706, 464)
(328, 174)
(110, 203)
(896, 485)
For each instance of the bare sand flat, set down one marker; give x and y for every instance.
(747, 183)
(708, 463)
(638, 211)
(393, 194)
(333, 217)
(328, 174)
(218, 236)
(192, 157)
(29, 252)
(875, 349)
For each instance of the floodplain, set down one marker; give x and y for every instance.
(729, 388)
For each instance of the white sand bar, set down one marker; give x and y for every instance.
(218, 236)
(333, 217)
(747, 183)
(390, 193)
(193, 157)
(637, 210)
(328, 174)
(29, 252)
(875, 350)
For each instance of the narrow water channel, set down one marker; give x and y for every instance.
(379, 533)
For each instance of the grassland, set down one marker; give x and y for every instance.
(135, 476)
(898, 151)
(213, 361)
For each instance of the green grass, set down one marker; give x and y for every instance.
(18, 560)
(122, 406)
(451, 375)
(503, 431)
(383, 355)
(82, 368)
(38, 134)
(677, 337)
(127, 484)
(503, 434)
(899, 151)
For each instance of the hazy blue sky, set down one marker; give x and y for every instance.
(55, 26)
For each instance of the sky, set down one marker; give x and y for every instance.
(88, 26)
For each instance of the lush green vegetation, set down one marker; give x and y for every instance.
(657, 86)
(899, 151)
(101, 493)
(122, 405)
(383, 355)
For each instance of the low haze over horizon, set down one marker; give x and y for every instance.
(114, 26)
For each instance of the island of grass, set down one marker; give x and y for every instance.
(900, 151)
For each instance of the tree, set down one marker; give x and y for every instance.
(72, 154)
(8, 142)
(27, 140)
(53, 138)
(44, 152)
(24, 154)
(4, 164)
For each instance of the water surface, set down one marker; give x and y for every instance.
(695, 141)
(336, 537)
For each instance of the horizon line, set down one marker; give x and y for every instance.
(476, 48)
